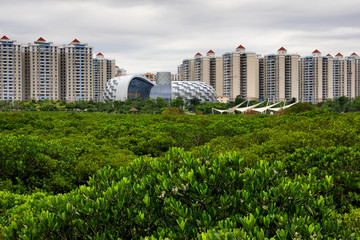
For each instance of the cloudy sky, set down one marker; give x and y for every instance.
(156, 35)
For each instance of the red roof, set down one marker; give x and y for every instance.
(4, 38)
(198, 54)
(99, 54)
(328, 55)
(353, 54)
(41, 39)
(76, 41)
(316, 51)
(210, 51)
(240, 46)
(116, 66)
(282, 49)
(339, 54)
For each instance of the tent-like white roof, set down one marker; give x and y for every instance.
(283, 107)
(230, 110)
(244, 109)
(264, 109)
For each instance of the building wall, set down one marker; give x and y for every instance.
(103, 71)
(293, 77)
(219, 72)
(251, 80)
(279, 76)
(76, 72)
(11, 75)
(310, 79)
(42, 71)
(357, 77)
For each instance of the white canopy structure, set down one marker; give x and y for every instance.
(244, 109)
(230, 110)
(282, 108)
(264, 109)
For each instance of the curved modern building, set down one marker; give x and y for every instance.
(132, 86)
(120, 88)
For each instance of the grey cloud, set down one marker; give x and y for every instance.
(156, 35)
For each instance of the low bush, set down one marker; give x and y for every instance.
(183, 197)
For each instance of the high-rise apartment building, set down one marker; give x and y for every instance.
(103, 70)
(188, 69)
(216, 74)
(41, 70)
(278, 76)
(11, 75)
(76, 71)
(350, 75)
(232, 74)
(356, 72)
(241, 74)
(202, 68)
(311, 78)
(208, 69)
(328, 77)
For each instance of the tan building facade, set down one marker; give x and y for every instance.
(280, 76)
(311, 78)
(76, 71)
(104, 70)
(41, 70)
(241, 74)
(231, 74)
(11, 70)
(339, 77)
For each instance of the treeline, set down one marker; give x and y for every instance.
(148, 106)
(294, 176)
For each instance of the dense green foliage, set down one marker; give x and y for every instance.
(250, 177)
(148, 106)
(183, 196)
(341, 104)
(297, 108)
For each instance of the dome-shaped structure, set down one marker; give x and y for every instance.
(123, 87)
(193, 89)
(131, 86)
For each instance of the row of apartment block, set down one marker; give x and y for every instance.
(275, 77)
(43, 70)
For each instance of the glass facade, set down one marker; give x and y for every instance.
(139, 88)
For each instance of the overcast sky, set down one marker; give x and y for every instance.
(156, 35)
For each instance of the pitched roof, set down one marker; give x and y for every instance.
(353, 54)
(76, 41)
(282, 49)
(99, 54)
(328, 55)
(316, 51)
(5, 38)
(116, 66)
(198, 54)
(41, 40)
(210, 51)
(339, 54)
(133, 110)
(240, 46)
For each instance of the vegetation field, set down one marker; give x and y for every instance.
(66, 175)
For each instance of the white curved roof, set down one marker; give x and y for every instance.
(264, 109)
(282, 108)
(230, 110)
(244, 109)
(117, 87)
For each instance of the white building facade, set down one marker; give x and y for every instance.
(11, 74)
